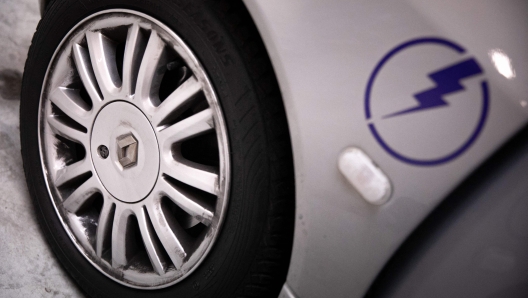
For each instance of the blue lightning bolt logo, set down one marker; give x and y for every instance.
(447, 81)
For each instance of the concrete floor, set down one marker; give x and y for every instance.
(27, 265)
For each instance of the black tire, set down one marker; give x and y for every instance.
(251, 255)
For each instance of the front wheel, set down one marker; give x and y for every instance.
(156, 149)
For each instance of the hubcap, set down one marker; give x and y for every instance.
(134, 149)
(131, 169)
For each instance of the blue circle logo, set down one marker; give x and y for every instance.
(426, 101)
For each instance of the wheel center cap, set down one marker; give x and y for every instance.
(125, 152)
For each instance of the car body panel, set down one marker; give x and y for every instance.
(324, 53)
(474, 243)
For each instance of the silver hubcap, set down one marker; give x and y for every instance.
(131, 169)
(134, 149)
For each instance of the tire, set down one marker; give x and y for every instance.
(244, 248)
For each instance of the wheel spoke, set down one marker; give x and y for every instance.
(134, 49)
(189, 127)
(104, 225)
(119, 233)
(72, 171)
(84, 68)
(70, 102)
(66, 131)
(168, 239)
(186, 203)
(176, 99)
(154, 251)
(103, 57)
(81, 194)
(150, 73)
(193, 176)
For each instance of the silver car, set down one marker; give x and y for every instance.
(265, 148)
